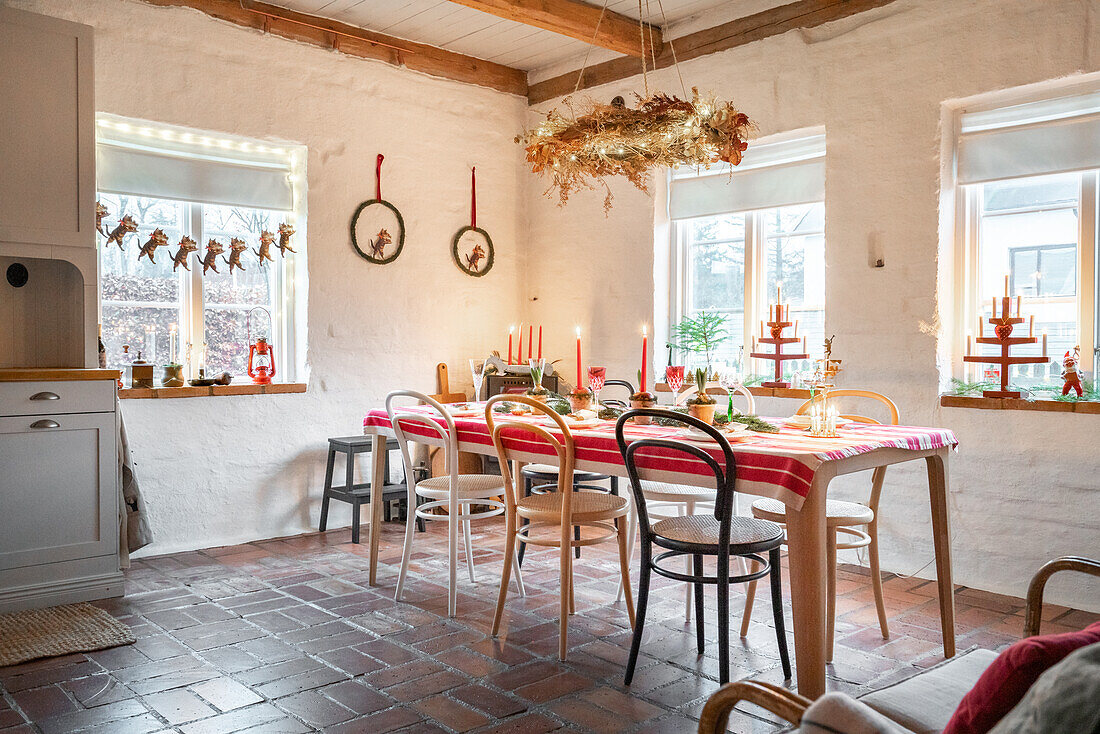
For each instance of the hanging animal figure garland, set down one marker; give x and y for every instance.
(472, 248)
(379, 224)
(127, 226)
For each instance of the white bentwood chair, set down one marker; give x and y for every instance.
(664, 501)
(455, 492)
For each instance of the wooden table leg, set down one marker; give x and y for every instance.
(941, 538)
(377, 482)
(806, 541)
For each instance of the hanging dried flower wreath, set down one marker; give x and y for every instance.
(616, 140)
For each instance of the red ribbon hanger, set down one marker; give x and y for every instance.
(473, 197)
(378, 177)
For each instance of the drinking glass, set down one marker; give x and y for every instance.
(596, 378)
(729, 377)
(477, 371)
(674, 376)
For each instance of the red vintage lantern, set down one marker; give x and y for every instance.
(261, 355)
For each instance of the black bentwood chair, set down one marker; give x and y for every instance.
(721, 535)
(619, 403)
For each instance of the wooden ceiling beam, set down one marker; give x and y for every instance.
(359, 42)
(577, 20)
(738, 32)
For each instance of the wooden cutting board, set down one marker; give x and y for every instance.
(467, 463)
(445, 395)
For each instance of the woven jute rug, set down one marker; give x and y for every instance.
(45, 633)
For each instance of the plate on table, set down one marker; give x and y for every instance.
(735, 432)
(798, 421)
(463, 410)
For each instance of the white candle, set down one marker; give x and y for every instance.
(172, 344)
(779, 293)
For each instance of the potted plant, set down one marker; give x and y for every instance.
(580, 399)
(701, 405)
(537, 391)
(701, 334)
(643, 399)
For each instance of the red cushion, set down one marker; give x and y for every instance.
(1009, 677)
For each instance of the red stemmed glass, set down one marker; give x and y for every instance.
(597, 376)
(674, 376)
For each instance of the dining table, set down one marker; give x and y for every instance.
(789, 465)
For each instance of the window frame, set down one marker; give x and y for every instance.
(192, 304)
(968, 267)
(756, 273)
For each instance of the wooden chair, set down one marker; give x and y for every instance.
(720, 534)
(841, 518)
(559, 511)
(455, 492)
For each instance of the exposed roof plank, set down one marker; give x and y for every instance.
(575, 19)
(738, 32)
(356, 41)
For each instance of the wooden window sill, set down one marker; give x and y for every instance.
(1050, 406)
(146, 393)
(757, 391)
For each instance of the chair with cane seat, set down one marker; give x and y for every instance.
(720, 534)
(556, 511)
(455, 492)
(671, 500)
(841, 518)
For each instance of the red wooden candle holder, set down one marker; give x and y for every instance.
(778, 356)
(1002, 336)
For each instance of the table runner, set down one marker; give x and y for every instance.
(780, 465)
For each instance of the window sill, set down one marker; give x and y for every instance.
(757, 391)
(146, 393)
(1050, 406)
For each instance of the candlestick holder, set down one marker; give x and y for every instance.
(778, 340)
(1002, 336)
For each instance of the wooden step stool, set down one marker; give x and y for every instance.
(352, 493)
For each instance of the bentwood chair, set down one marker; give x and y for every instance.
(721, 534)
(457, 493)
(670, 500)
(841, 519)
(557, 511)
(538, 478)
(615, 401)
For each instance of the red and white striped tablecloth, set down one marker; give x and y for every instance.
(779, 465)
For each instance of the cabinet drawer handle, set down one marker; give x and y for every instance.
(45, 423)
(45, 396)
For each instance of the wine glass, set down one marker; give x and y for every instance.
(729, 377)
(674, 376)
(596, 378)
(477, 371)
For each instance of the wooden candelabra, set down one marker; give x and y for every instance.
(1002, 336)
(776, 327)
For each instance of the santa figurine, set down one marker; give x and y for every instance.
(1070, 373)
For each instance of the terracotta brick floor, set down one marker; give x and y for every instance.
(286, 636)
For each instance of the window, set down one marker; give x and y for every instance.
(1028, 183)
(162, 181)
(771, 233)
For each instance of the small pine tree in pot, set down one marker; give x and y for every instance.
(701, 334)
(701, 405)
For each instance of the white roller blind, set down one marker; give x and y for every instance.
(169, 162)
(1032, 139)
(771, 174)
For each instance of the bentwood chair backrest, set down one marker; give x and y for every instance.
(891, 407)
(427, 423)
(725, 472)
(564, 447)
(619, 383)
(740, 390)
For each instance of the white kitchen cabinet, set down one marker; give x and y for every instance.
(59, 493)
